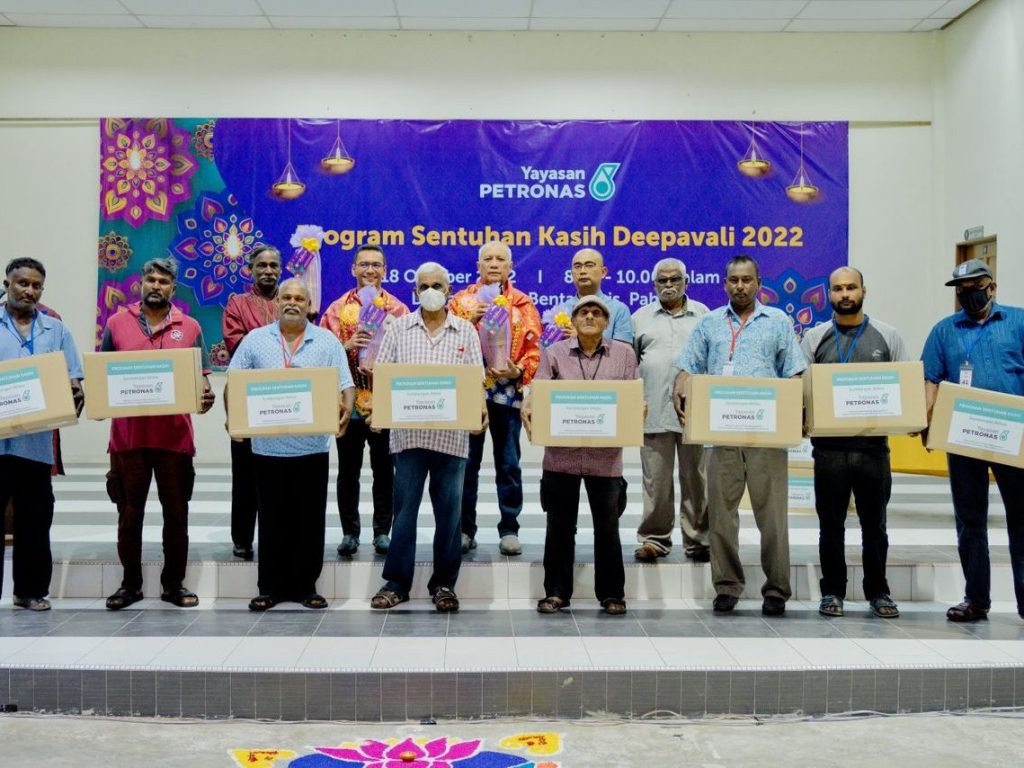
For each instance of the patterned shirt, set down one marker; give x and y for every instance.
(612, 360)
(408, 341)
(246, 312)
(319, 349)
(620, 324)
(47, 335)
(342, 319)
(764, 346)
(525, 349)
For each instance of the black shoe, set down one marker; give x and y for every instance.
(965, 612)
(700, 555)
(724, 603)
(348, 546)
(773, 606)
(245, 553)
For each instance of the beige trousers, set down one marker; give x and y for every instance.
(659, 453)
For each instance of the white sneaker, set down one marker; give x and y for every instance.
(509, 545)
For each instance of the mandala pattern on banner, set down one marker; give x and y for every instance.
(116, 295)
(202, 139)
(113, 251)
(806, 301)
(145, 168)
(213, 244)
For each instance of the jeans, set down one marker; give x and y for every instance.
(504, 424)
(350, 465)
(243, 494)
(446, 472)
(968, 481)
(560, 499)
(867, 475)
(27, 484)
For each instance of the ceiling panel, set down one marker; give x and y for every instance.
(334, 22)
(206, 22)
(109, 20)
(594, 25)
(599, 9)
(870, 9)
(75, 7)
(479, 9)
(734, 9)
(193, 7)
(366, 8)
(483, 25)
(723, 25)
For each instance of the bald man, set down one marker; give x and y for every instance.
(588, 270)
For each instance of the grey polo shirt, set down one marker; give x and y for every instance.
(658, 338)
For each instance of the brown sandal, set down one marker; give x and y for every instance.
(613, 606)
(445, 600)
(551, 604)
(387, 598)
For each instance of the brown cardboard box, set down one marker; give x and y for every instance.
(741, 410)
(35, 395)
(447, 396)
(864, 399)
(978, 423)
(282, 401)
(801, 455)
(156, 382)
(590, 414)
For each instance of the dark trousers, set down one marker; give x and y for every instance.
(868, 476)
(350, 464)
(504, 424)
(243, 494)
(27, 484)
(293, 509)
(968, 481)
(128, 486)
(560, 499)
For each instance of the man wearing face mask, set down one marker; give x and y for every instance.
(857, 465)
(981, 346)
(246, 312)
(660, 330)
(430, 335)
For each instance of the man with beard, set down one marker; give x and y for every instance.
(26, 460)
(660, 330)
(291, 470)
(246, 312)
(144, 446)
(981, 346)
(745, 338)
(342, 319)
(852, 464)
(588, 270)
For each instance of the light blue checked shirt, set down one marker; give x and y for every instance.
(320, 348)
(766, 347)
(620, 324)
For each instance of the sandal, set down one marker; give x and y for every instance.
(445, 600)
(551, 604)
(180, 597)
(314, 601)
(262, 603)
(831, 606)
(387, 598)
(122, 599)
(613, 606)
(884, 607)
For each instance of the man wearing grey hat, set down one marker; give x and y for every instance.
(981, 346)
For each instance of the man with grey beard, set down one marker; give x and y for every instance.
(660, 331)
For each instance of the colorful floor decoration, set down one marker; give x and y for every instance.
(523, 750)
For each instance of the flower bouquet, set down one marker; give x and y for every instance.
(372, 317)
(495, 327)
(556, 321)
(305, 260)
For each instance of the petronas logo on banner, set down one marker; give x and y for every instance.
(602, 183)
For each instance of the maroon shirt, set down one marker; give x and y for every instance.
(612, 360)
(246, 312)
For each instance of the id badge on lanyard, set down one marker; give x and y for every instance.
(729, 369)
(966, 374)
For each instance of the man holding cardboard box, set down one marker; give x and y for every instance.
(142, 447)
(292, 470)
(852, 464)
(26, 460)
(518, 351)
(588, 357)
(246, 312)
(745, 338)
(980, 346)
(660, 330)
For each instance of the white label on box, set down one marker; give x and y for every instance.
(578, 413)
(742, 409)
(423, 398)
(986, 427)
(140, 382)
(802, 452)
(21, 392)
(279, 403)
(866, 393)
(801, 492)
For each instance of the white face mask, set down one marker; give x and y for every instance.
(432, 299)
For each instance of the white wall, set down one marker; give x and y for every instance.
(48, 203)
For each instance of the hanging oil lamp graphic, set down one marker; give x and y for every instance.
(338, 160)
(753, 163)
(802, 190)
(288, 185)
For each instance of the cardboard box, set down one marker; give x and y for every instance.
(978, 423)
(862, 399)
(35, 395)
(283, 401)
(801, 455)
(410, 396)
(744, 411)
(156, 382)
(587, 414)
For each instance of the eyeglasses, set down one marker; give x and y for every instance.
(584, 265)
(369, 265)
(668, 280)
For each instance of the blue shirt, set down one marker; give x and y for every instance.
(620, 324)
(48, 335)
(996, 350)
(766, 347)
(261, 348)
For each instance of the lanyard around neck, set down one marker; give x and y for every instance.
(736, 331)
(288, 354)
(600, 359)
(853, 344)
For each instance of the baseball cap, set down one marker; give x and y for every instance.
(969, 270)
(587, 300)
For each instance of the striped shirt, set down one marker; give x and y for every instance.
(408, 341)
